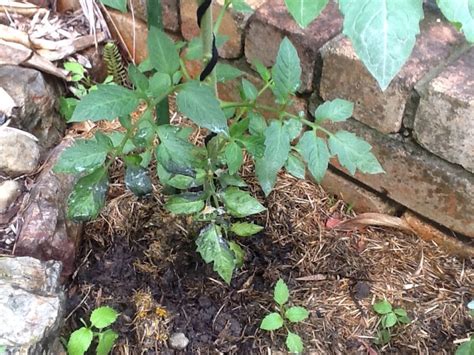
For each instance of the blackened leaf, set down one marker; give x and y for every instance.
(138, 180)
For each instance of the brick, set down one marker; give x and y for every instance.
(272, 23)
(444, 121)
(417, 179)
(170, 13)
(361, 199)
(344, 76)
(232, 25)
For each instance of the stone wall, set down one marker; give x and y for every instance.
(421, 127)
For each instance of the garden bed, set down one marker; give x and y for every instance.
(142, 261)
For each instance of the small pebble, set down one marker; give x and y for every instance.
(178, 341)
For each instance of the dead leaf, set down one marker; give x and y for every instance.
(374, 219)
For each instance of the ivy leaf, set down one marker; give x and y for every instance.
(88, 196)
(249, 91)
(294, 343)
(305, 11)
(182, 205)
(213, 248)
(120, 5)
(281, 293)
(84, 155)
(296, 314)
(245, 229)
(239, 203)
(226, 72)
(315, 153)
(162, 52)
(354, 153)
(103, 317)
(234, 157)
(272, 321)
(389, 320)
(336, 110)
(462, 12)
(295, 166)
(286, 72)
(277, 148)
(382, 307)
(106, 342)
(106, 103)
(199, 104)
(79, 341)
(383, 33)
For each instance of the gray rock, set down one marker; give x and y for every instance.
(178, 341)
(19, 152)
(31, 305)
(9, 192)
(36, 99)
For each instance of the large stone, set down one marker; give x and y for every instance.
(272, 23)
(9, 192)
(46, 233)
(170, 13)
(232, 25)
(31, 305)
(36, 99)
(444, 122)
(19, 152)
(344, 76)
(421, 181)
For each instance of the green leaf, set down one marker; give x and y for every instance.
(294, 127)
(67, 105)
(315, 153)
(404, 319)
(234, 157)
(305, 11)
(79, 341)
(257, 124)
(462, 12)
(213, 248)
(255, 145)
(281, 294)
(466, 348)
(296, 314)
(383, 337)
(159, 84)
(382, 307)
(295, 166)
(76, 69)
(106, 103)
(137, 78)
(294, 343)
(199, 104)
(138, 181)
(117, 137)
(354, 153)
(389, 320)
(226, 72)
(262, 70)
(245, 229)
(103, 317)
(277, 148)
(231, 180)
(336, 110)
(239, 253)
(145, 133)
(249, 91)
(88, 196)
(383, 33)
(272, 321)
(286, 72)
(239, 203)
(237, 129)
(182, 205)
(82, 156)
(162, 52)
(106, 342)
(400, 312)
(120, 5)
(241, 6)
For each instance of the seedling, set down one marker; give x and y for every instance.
(277, 320)
(389, 319)
(81, 339)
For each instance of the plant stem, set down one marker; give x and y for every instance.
(221, 15)
(207, 38)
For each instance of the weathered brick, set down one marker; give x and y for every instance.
(272, 23)
(344, 76)
(421, 181)
(170, 10)
(232, 25)
(444, 121)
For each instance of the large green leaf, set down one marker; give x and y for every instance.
(106, 103)
(182, 205)
(277, 148)
(106, 342)
(315, 153)
(120, 5)
(462, 12)
(295, 166)
(305, 11)
(213, 248)
(79, 341)
(354, 153)
(226, 72)
(336, 110)
(239, 203)
(103, 317)
(234, 157)
(383, 307)
(163, 54)
(272, 321)
(296, 314)
(245, 229)
(286, 72)
(383, 33)
(198, 102)
(159, 84)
